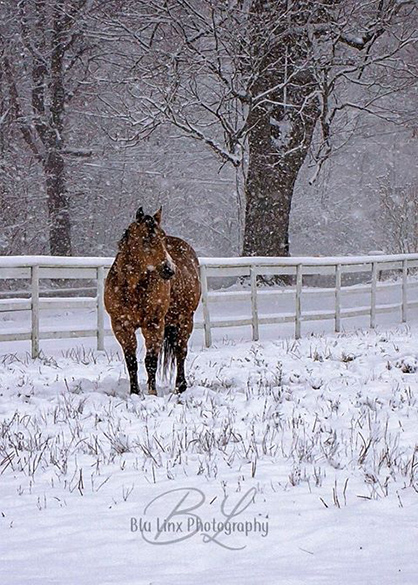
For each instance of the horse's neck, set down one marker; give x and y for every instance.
(129, 280)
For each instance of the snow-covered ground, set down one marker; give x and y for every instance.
(299, 457)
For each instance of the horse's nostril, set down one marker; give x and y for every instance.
(167, 271)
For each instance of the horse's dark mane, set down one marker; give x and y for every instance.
(123, 239)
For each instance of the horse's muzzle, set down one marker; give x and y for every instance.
(167, 271)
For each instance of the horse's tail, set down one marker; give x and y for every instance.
(167, 357)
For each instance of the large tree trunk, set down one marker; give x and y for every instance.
(59, 217)
(268, 193)
(281, 121)
(270, 181)
(54, 165)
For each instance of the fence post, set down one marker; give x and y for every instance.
(338, 298)
(100, 308)
(254, 303)
(298, 313)
(206, 314)
(373, 295)
(35, 311)
(404, 290)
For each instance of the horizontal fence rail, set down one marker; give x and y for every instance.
(36, 269)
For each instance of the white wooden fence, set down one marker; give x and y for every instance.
(37, 268)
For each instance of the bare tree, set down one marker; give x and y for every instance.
(42, 44)
(253, 80)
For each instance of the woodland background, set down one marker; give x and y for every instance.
(264, 127)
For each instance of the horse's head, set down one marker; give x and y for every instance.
(144, 246)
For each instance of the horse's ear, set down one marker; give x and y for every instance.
(140, 214)
(157, 216)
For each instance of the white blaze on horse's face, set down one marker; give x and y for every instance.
(168, 268)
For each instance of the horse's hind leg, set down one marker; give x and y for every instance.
(184, 330)
(127, 339)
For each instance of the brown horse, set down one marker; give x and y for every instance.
(153, 284)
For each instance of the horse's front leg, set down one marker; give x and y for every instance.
(153, 333)
(125, 334)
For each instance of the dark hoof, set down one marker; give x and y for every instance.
(180, 389)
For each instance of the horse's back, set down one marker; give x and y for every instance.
(180, 250)
(185, 285)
